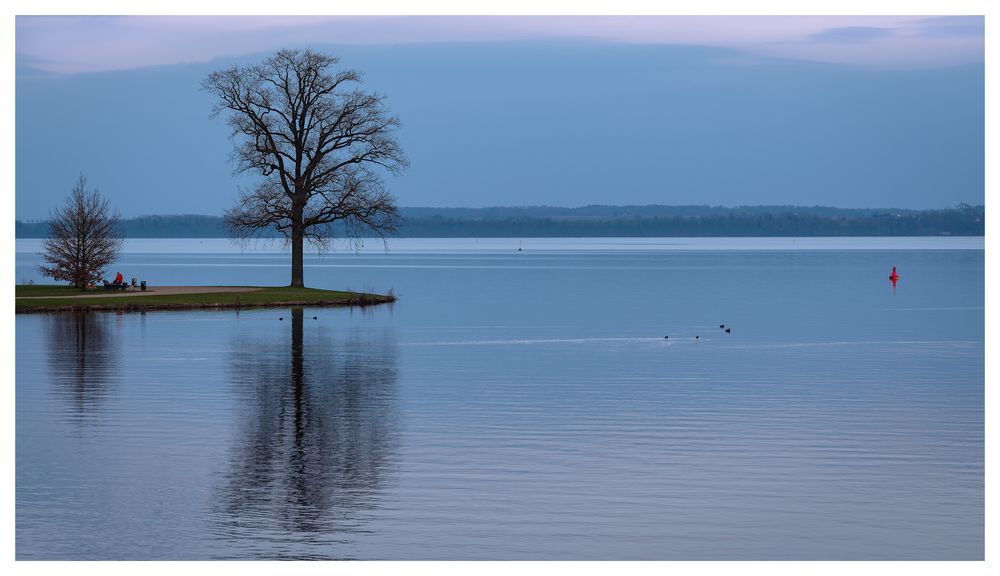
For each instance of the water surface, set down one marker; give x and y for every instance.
(517, 405)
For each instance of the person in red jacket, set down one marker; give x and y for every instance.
(119, 279)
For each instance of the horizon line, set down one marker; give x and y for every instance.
(551, 206)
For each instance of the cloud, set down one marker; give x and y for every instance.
(75, 44)
(29, 66)
(850, 34)
(974, 26)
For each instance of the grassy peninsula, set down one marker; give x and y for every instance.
(54, 298)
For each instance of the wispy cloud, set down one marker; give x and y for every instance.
(850, 34)
(73, 44)
(970, 26)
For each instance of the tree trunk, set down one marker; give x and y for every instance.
(298, 237)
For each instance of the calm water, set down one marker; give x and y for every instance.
(518, 405)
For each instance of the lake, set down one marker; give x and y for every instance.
(574, 400)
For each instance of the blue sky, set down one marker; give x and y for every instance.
(883, 111)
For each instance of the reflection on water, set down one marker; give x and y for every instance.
(507, 410)
(83, 359)
(315, 442)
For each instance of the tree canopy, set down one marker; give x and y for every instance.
(83, 238)
(319, 143)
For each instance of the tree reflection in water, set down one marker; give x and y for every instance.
(316, 442)
(83, 358)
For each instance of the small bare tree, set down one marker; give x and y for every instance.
(83, 238)
(317, 142)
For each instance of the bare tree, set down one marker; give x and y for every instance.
(83, 238)
(318, 141)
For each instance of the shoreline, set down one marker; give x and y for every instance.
(157, 291)
(193, 298)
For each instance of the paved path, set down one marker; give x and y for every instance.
(151, 291)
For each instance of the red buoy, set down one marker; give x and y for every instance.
(893, 276)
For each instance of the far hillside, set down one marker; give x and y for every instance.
(613, 221)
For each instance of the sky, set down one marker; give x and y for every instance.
(848, 111)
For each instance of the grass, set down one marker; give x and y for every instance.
(267, 296)
(50, 290)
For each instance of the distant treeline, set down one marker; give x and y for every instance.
(612, 221)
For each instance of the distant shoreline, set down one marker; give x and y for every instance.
(654, 221)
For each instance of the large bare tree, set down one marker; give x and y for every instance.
(83, 238)
(319, 142)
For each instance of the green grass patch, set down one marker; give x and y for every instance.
(50, 290)
(268, 296)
